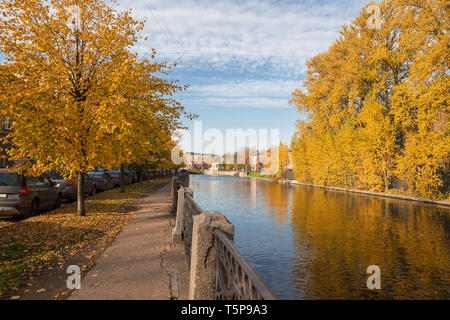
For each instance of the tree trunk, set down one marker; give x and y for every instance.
(141, 177)
(386, 181)
(122, 178)
(81, 209)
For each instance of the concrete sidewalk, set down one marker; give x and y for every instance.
(143, 263)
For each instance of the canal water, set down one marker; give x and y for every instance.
(309, 243)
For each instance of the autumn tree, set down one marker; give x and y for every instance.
(283, 160)
(64, 82)
(420, 104)
(141, 130)
(377, 103)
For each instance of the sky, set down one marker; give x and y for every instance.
(241, 59)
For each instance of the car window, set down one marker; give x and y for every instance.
(46, 180)
(55, 175)
(96, 175)
(40, 181)
(9, 179)
(31, 181)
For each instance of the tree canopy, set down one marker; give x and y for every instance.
(78, 95)
(377, 104)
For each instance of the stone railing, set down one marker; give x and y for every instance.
(178, 182)
(234, 278)
(218, 271)
(186, 209)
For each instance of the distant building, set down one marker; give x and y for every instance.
(216, 166)
(256, 163)
(199, 161)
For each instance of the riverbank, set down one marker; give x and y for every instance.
(370, 193)
(234, 173)
(35, 253)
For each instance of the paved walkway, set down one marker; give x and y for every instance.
(143, 263)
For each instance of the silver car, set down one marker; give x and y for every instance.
(69, 188)
(102, 180)
(26, 196)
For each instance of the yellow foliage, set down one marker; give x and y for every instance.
(79, 97)
(283, 160)
(377, 104)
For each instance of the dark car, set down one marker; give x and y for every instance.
(115, 175)
(109, 179)
(69, 188)
(26, 196)
(132, 175)
(103, 181)
(152, 174)
(144, 175)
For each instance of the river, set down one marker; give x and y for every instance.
(309, 243)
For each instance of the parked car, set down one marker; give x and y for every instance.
(115, 175)
(69, 188)
(152, 173)
(102, 180)
(145, 175)
(26, 196)
(131, 174)
(109, 180)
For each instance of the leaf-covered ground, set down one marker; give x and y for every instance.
(32, 247)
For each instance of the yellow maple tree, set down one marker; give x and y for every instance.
(377, 104)
(74, 88)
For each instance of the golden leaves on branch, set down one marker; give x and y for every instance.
(79, 96)
(377, 105)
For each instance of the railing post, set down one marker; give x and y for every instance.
(175, 188)
(203, 253)
(177, 231)
(184, 179)
(179, 181)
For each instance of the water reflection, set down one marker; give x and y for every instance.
(316, 244)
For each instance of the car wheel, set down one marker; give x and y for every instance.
(34, 210)
(58, 202)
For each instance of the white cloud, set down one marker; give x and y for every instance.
(247, 93)
(242, 35)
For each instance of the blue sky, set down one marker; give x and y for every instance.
(241, 59)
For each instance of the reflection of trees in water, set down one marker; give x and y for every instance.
(326, 240)
(277, 197)
(338, 235)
